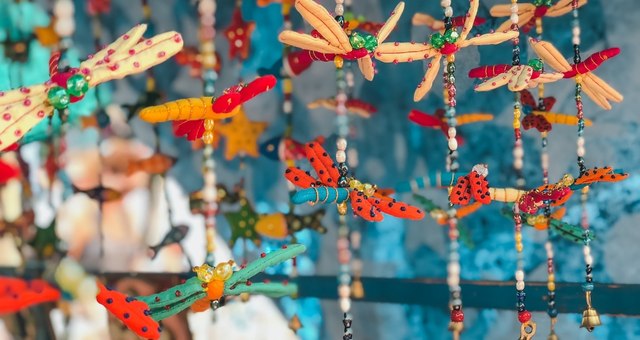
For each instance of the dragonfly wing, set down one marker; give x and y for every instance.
(366, 67)
(390, 24)
(422, 19)
(307, 42)
(606, 89)
(424, 119)
(19, 117)
(403, 52)
(490, 38)
(139, 58)
(550, 55)
(495, 82)
(469, 21)
(520, 79)
(123, 43)
(318, 17)
(427, 82)
(593, 92)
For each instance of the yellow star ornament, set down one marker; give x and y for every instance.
(241, 135)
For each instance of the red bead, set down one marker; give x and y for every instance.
(457, 315)
(524, 316)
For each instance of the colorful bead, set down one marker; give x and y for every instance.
(58, 97)
(524, 316)
(77, 85)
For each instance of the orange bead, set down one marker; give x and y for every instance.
(215, 289)
(201, 305)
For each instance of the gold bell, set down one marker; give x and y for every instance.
(456, 326)
(357, 290)
(552, 336)
(590, 319)
(295, 324)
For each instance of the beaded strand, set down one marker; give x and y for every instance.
(456, 323)
(207, 10)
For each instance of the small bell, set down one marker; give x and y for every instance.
(295, 324)
(590, 317)
(552, 336)
(357, 290)
(244, 297)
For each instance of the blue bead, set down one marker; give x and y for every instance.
(552, 312)
(587, 287)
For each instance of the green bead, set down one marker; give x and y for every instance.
(370, 42)
(538, 3)
(451, 36)
(348, 16)
(437, 40)
(356, 40)
(77, 85)
(58, 97)
(536, 64)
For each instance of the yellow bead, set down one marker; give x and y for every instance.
(516, 124)
(338, 61)
(551, 277)
(353, 184)
(222, 272)
(207, 137)
(551, 286)
(342, 208)
(518, 237)
(451, 58)
(209, 124)
(205, 273)
(287, 85)
(519, 247)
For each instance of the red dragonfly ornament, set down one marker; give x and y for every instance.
(334, 186)
(528, 14)
(439, 121)
(539, 115)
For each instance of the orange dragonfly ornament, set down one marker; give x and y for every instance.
(529, 13)
(597, 89)
(440, 45)
(194, 117)
(332, 41)
(21, 109)
(333, 185)
(542, 119)
(516, 77)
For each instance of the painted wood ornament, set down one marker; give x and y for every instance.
(441, 45)
(334, 186)
(141, 314)
(23, 108)
(582, 72)
(330, 42)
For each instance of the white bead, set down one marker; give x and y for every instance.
(64, 28)
(345, 305)
(519, 275)
(288, 25)
(63, 9)
(341, 144)
(207, 7)
(287, 106)
(452, 132)
(341, 156)
(445, 3)
(339, 1)
(517, 164)
(518, 152)
(514, 8)
(341, 97)
(453, 144)
(356, 265)
(209, 194)
(514, 18)
(588, 260)
(453, 268)
(581, 151)
(520, 285)
(448, 12)
(576, 31)
(576, 40)
(545, 160)
(341, 109)
(344, 291)
(210, 178)
(453, 280)
(580, 141)
(339, 9)
(586, 250)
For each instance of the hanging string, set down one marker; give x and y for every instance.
(590, 318)
(207, 9)
(552, 312)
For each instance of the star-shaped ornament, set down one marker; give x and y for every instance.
(239, 34)
(241, 136)
(243, 223)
